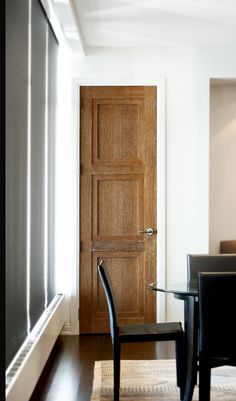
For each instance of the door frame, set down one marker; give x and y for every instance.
(160, 83)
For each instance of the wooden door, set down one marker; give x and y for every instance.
(117, 201)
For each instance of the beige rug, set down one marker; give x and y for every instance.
(156, 380)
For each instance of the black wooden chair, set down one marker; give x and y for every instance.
(217, 329)
(208, 263)
(130, 333)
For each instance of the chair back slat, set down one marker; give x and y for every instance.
(110, 297)
(217, 305)
(228, 246)
(208, 263)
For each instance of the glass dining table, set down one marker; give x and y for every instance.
(188, 294)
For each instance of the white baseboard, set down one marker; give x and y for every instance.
(70, 329)
(66, 330)
(25, 379)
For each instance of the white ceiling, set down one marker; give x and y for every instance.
(146, 23)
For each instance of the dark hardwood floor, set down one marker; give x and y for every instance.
(68, 374)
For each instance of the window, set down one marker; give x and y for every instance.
(31, 75)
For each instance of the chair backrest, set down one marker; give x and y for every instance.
(228, 246)
(208, 263)
(110, 297)
(217, 305)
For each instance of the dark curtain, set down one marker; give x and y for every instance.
(52, 87)
(16, 173)
(43, 68)
(38, 101)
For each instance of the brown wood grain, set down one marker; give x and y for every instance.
(117, 200)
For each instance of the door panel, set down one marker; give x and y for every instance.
(118, 206)
(124, 268)
(116, 138)
(117, 201)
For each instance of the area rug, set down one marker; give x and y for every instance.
(156, 380)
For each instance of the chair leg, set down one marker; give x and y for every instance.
(116, 366)
(204, 382)
(180, 365)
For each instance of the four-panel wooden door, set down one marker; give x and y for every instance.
(117, 202)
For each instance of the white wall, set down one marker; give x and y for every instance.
(66, 194)
(222, 163)
(187, 71)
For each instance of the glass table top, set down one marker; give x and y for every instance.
(181, 288)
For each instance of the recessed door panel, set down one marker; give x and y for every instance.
(118, 206)
(116, 137)
(124, 268)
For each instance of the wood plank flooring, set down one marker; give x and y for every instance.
(68, 374)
